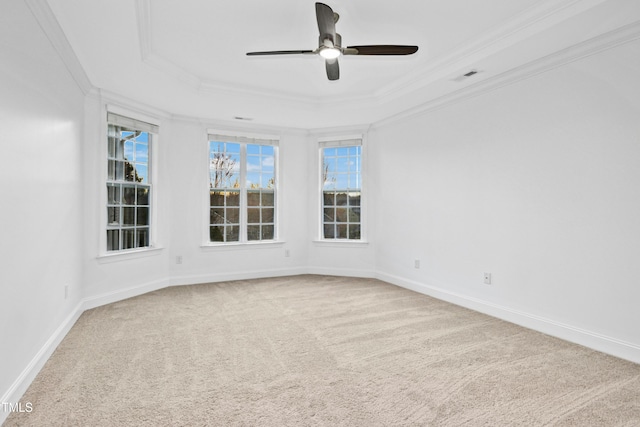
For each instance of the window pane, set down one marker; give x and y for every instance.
(113, 240)
(142, 172)
(143, 196)
(341, 215)
(341, 170)
(253, 232)
(354, 214)
(142, 152)
(253, 215)
(216, 216)
(267, 232)
(111, 170)
(232, 233)
(329, 215)
(329, 231)
(113, 216)
(257, 163)
(216, 234)
(128, 216)
(253, 198)
(268, 198)
(129, 195)
(233, 198)
(354, 231)
(142, 217)
(111, 147)
(342, 181)
(341, 199)
(330, 151)
(128, 239)
(224, 170)
(113, 194)
(329, 198)
(216, 198)
(343, 164)
(233, 216)
(128, 149)
(253, 179)
(128, 161)
(268, 180)
(120, 148)
(232, 147)
(142, 237)
(267, 215)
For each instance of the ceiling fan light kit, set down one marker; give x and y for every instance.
(330, 44)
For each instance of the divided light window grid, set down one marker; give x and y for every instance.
(241, 190)
(128, 184)
(341, 192)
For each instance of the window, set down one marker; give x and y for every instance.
(242, 189)
(128, 183)
(341, 189)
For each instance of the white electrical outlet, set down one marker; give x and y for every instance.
(179, 259)
(66, 291)
(287, 253)
(487, 278)
(416, 263)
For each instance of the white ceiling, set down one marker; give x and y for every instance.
(188, 57)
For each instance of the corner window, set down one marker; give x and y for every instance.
(242, 189)
(341, 190)
(128, 183)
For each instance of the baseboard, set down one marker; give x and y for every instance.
(348, 272)
(194, 279)
(592, 340)
(121, 294)
(26, 377)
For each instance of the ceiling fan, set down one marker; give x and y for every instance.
(330, 44)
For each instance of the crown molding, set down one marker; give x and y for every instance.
(532, 21)
(52, 30)
(593, 46)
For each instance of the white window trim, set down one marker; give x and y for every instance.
(243, 138)
(154, 247)
(342, 141)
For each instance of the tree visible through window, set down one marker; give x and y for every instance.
(241, 191)
(341, 192)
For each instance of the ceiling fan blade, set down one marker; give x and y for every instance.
(381, 49)
(326, 22)
(333, 69)
(280, 52)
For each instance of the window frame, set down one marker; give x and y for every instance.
(114, 115)
(243, 139)
(341, 142)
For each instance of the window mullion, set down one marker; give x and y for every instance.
(243, 193)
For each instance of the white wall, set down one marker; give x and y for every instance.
(536, 183)
(111, 277)
(339, 258)
(41, 135)
(188, 176)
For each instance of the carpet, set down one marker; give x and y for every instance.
(319, 351)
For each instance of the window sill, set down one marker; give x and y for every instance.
(342, 243)
(240, 246)
(128, 254)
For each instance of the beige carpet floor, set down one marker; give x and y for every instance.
(316, 350)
